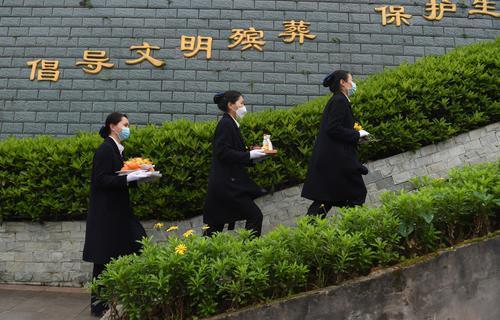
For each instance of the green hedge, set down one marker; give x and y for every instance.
(405, 108)
(437, 97)
(231, 271)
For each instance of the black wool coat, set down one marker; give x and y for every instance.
(112, 229)
(334, 172)
(229, 186)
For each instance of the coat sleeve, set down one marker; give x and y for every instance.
(103, 170)
(224, 149)
(337, 111)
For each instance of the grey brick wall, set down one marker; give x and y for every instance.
(51, 253)
(349, 36)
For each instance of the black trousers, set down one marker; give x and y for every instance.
(253, 221)
(97, 308)
(321, 208)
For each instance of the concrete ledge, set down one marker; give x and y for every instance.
(31, 288)
(458, 284)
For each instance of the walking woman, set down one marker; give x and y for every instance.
(112, 230)
(334, 173)
(230, 190)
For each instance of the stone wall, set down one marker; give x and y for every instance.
(51, 253)
(451, 286)
(349, 34)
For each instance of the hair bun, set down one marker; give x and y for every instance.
(218, 97)
(328, 79)
(102, 132)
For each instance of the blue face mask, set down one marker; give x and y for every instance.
(352, 89)
(124, 134)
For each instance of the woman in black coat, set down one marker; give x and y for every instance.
(334, 172)
(112, 230)
(230, 190)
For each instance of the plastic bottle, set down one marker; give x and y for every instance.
(266, 143)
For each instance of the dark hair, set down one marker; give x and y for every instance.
(223, 98)
(333, 80)
(112, 118)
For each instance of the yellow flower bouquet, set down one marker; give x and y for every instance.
(368, 138)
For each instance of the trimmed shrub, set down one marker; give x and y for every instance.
(233, 270)
(431, 100)
(405, 108)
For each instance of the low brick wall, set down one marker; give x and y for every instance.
(46, 254)
(452, 285)
(51, 253)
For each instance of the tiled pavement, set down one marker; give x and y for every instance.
(44, 303)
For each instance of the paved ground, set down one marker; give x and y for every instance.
(44, 303)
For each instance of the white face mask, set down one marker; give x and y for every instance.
(240, 112)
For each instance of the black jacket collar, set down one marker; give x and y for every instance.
(112, 142)
(228, 116)
(235, 126)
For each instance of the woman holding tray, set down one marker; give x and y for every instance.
(112, 230)
(230, 190)
(334, 172)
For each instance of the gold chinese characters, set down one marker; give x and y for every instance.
(249, 38)
(435, 10)
(48, 72)
(195, 45)
(295, 29)
(145, 55)
(395, 15)
(94, 61)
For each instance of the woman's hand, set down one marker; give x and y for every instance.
(137, 175)
(258, 153)
(363, 170)
(153, 176)
(363, 133)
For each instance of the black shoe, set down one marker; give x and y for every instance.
(98, 309)
(98, 314)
